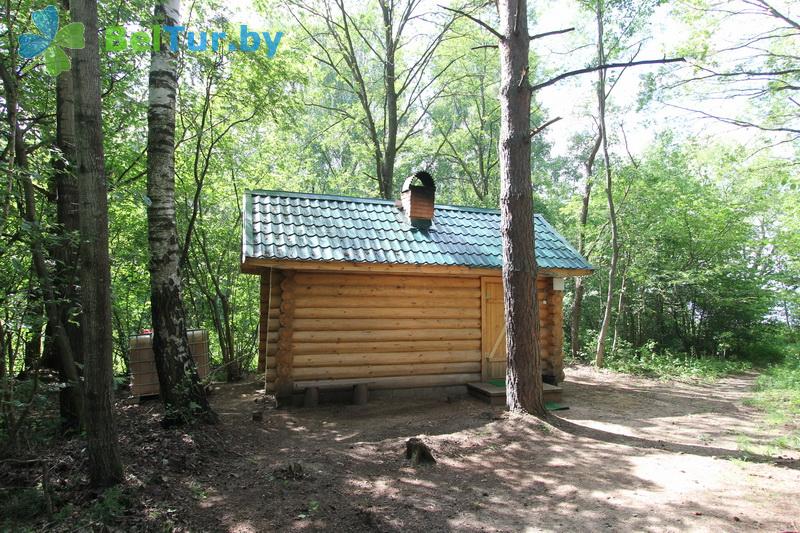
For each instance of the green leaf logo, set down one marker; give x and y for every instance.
(52, 41)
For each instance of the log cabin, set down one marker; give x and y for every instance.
(381, 294)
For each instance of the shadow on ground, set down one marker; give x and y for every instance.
(494, 473)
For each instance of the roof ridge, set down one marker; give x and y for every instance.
(343, 198)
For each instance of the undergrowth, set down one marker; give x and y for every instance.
(666, 364)
(777, 393)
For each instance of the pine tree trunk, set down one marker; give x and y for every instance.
(523, 374)
(105, 468)
(181, 390)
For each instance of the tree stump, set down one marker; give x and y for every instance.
(418, 452)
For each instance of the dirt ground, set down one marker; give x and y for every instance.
(630, 454)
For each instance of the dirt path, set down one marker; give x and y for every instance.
(632, 454)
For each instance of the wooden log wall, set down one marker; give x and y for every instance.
(284, 357)
(551, 330)
(268, 330)
(395, 331)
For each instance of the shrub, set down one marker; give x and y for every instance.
(646, 360)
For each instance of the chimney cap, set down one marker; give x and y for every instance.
(424, 177)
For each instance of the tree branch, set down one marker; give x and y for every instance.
(549, 33)
(775, 13)
(736, 122)
(541, 128)
(477, 21)
(606, 66)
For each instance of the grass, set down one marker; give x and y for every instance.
(645, 361)
(777, 393)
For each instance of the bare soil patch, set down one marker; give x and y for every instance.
(629, 454)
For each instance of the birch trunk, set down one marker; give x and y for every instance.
(105, 468)
(523, 374)
(181, 390)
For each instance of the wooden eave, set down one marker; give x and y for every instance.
(251, 265)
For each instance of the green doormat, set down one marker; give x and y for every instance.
(498, 382)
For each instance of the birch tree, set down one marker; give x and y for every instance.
(181, 390)
(757, 64)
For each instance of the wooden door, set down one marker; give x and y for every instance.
(493, 336)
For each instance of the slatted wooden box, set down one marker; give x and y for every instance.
(144, 378)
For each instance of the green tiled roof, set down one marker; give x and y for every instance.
(314, 227)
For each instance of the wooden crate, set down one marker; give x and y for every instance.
(144, 378)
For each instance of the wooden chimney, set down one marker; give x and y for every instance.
(418, 200)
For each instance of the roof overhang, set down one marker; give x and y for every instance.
(252, 265)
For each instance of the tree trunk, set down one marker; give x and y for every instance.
(105, 468)
(577, 305)
(523, 374)
(3, 348)
(18, 159)
(234, 372)
(612, 215)
(66, 251)
(390, 152)
(181, 390)
(33, 344)
(620, 311)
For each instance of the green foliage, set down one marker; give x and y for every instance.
(106, 509)
(709, 231)
(647, 361)
(697, 226)
(20, 505)
(778, 393)
(26, 412)
(109, 506)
